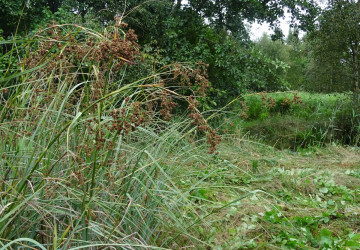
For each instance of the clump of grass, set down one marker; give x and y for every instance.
(85, 154)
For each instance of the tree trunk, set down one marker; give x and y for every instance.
(356, 63)
(355, 54)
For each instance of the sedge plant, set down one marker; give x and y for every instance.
(85, 153)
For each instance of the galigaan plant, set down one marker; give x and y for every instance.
(78, 56)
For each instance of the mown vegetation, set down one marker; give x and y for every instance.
(161, 125)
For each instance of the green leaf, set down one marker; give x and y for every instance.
(232, 231)
(352, 244)
(354, 236)
(325, 238)
(324, 190)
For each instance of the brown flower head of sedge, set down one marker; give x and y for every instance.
(297, 99)
(196, 79)
(167, 105)
(65, 52)
(267, 101)
(127, 119)
(244, 109)
(212, 138)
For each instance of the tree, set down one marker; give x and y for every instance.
(231, 14)
(336, 43)
(13, 11)
(276, 50)
(298, 60)
(222, 14)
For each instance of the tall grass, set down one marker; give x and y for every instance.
(86, 157)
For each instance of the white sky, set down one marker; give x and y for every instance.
(257, 29)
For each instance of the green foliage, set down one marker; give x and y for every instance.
(232, 14)
(275, 50)
(288, 120)
(346, 121)
(3, 59)
(233, 66)
(335, 45)
(18, 15)
(298, 61)
(255, 108)
(293, 56)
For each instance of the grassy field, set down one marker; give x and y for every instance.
(91, 160)
(307, 199)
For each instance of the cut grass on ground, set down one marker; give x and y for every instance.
(306, 199)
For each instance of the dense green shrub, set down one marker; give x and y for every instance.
(256, 110)
(289, 120)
